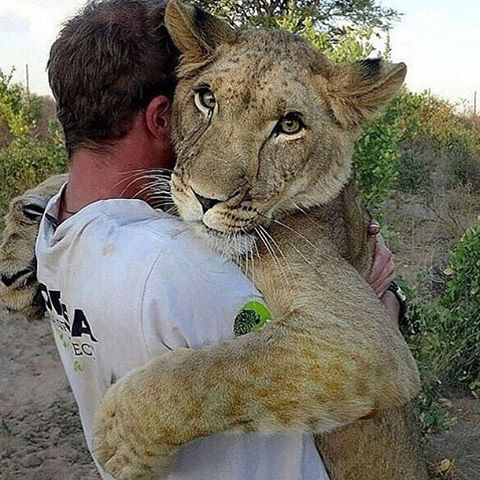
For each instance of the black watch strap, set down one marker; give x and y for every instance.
(402, 300)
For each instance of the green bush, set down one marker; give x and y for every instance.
(462, 301)
(25, 160)
(413, 173)
(444, 332)
(377, 157)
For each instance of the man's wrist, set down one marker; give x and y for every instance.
(395, 301)
(392, 304)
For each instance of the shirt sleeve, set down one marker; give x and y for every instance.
(193, 298)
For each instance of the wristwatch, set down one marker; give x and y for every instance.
(402, 300)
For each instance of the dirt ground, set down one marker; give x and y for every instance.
(40, 432)
(424, 233)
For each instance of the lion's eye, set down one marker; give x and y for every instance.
(205, 100)
(290, 124)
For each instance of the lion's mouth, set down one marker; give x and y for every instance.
(216, 233)
(28, 274)
(230, 234)
(25, 277)
(233, 244)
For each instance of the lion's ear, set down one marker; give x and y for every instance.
(195, 32)
(356, 92)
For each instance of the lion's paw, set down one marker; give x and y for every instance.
(123, 443)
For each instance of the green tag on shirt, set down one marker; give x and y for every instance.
(252, 317)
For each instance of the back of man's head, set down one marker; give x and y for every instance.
(106, 65)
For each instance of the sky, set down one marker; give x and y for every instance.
(439, 40)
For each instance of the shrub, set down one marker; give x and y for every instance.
(462, 301)
(413, 173)
(453, 137)
(444, 332)
(377, 157)
(26, 159)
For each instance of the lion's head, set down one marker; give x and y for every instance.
(18, 279)
(263, 123)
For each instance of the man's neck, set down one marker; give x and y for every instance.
(95, 177)
(92, 177)
(117, 172)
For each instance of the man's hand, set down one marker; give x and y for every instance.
(383, 269)
(383, 272)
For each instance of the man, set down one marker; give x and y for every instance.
(123, 282)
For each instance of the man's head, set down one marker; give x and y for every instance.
(107, 65)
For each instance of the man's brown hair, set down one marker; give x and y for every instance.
(107, 63)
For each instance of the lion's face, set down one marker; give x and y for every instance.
(263, 124)
(18, 280)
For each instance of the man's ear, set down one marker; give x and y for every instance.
(356, 92)
(157, 116)
(195, 32)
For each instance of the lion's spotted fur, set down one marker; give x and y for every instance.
(332, 355)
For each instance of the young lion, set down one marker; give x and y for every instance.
(264, 128)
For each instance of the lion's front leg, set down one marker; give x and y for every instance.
(300, 373)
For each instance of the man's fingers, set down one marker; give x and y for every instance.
(380, 287)
(390, 300)
(382, 257)
(387, 272)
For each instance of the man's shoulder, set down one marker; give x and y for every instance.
(116, 236)
(147, 229)
(128, 230)
(137, 218)
(126, 224)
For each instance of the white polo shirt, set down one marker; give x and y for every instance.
(124, 283)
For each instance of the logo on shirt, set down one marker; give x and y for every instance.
(72, 330)
(252, 317)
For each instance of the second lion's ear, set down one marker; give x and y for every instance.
(195, 32)
(356, 92)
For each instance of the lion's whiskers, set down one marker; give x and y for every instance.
(264, 237)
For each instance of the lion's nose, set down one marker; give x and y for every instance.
(207, 203)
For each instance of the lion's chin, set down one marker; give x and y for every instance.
(231, 246)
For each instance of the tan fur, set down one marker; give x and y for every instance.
(331, 356)
(18, 285)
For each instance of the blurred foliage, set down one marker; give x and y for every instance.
(455, 136)
(415, 173)
(25, 159)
